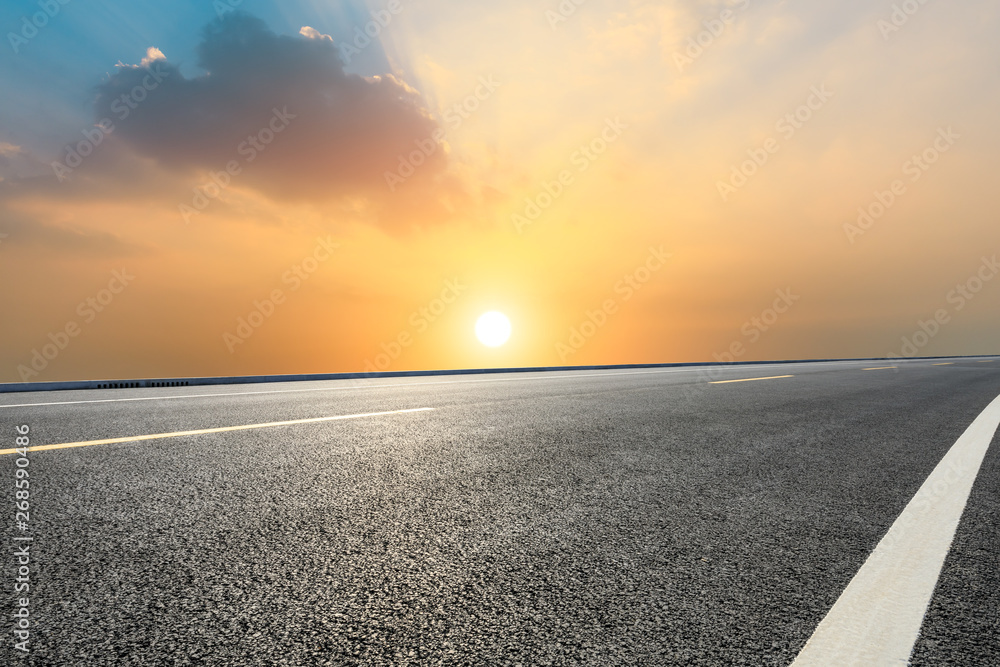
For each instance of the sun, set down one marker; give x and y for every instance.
(493, 329)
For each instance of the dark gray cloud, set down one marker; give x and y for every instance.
(331, 133)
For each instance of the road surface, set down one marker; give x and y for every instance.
(625, 517)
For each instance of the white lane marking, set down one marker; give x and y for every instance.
(400, 384)
(221, 429)
(877, 619)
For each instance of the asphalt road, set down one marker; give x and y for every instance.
(600, 518)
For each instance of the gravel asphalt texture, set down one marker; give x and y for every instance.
(595, 518)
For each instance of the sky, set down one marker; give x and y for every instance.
(234, 188)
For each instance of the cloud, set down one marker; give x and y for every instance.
(111, 173)
(313, 33)
(340, 133)
(18, 163)
(24, 230)
(152, 55)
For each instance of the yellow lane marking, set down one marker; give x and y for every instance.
(776, 377)
(947, 363)
(880, 368)
(224, 429)
(349, 384)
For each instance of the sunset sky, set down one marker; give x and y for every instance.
(231, 188)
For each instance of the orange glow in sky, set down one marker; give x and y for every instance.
(625, 183)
